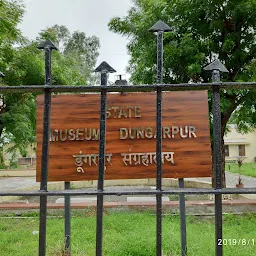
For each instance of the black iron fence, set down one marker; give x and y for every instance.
(100, 193)
(104, 68)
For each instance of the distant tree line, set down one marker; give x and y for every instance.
(202, 30)
(23, 64)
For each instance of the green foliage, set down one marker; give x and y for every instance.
(2, 166)
(248, 169)
(23, 64)
(128, 234)
(11, 13)
(79, 51)
(202, 30)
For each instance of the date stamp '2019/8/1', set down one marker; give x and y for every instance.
(240, 241)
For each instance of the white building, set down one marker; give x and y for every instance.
(240, 145)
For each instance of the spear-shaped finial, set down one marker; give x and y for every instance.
(216, 67)
(160, 26)
(104, 68)
(47, 44)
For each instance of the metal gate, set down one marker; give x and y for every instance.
(216, 85)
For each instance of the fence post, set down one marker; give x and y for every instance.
(67, 221)
(183, 229)
(216, 67)
(47, 46)
(160, 27)
(104, 68)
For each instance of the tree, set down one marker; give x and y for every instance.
(23, 64)
(11, 13)
(202, 30)
(77, 48)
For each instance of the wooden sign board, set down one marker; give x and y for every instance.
(130, 136)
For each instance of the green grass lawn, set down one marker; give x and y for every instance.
(248, 169)
(127, 234)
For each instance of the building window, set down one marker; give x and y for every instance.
(241, 150)
(226, 150)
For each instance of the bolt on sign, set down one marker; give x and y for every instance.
(130, 136)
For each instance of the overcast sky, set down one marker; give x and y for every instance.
(89, 16)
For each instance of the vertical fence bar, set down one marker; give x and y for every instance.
(160, 27)
(67, 222)
(48, 46)
(159, 143)
(104, 69)
(183, 230)
(101, 166)
(216, 67)
(217, 167)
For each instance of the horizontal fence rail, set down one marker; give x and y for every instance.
(180, 191)
(125, 88)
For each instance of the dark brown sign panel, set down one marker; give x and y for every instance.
(130, 136)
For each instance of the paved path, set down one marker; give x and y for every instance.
(24, 183)
(17, 183)
(231, 180)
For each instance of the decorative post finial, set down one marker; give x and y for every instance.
(160, 27)
(47, 46)
(216, 67)
(104, 68)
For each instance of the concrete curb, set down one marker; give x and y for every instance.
(192, 207)
(167, 182)
(18, 173)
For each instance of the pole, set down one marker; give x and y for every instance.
(45, 152)
(159, 143)
(160, 27)
(48, 46)
(104, 68)
(183, 229)
(217, 160)
(216, 67)
(67, 222)
(99, 234)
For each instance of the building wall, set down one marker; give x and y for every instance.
(233, 139)
(31, 153)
